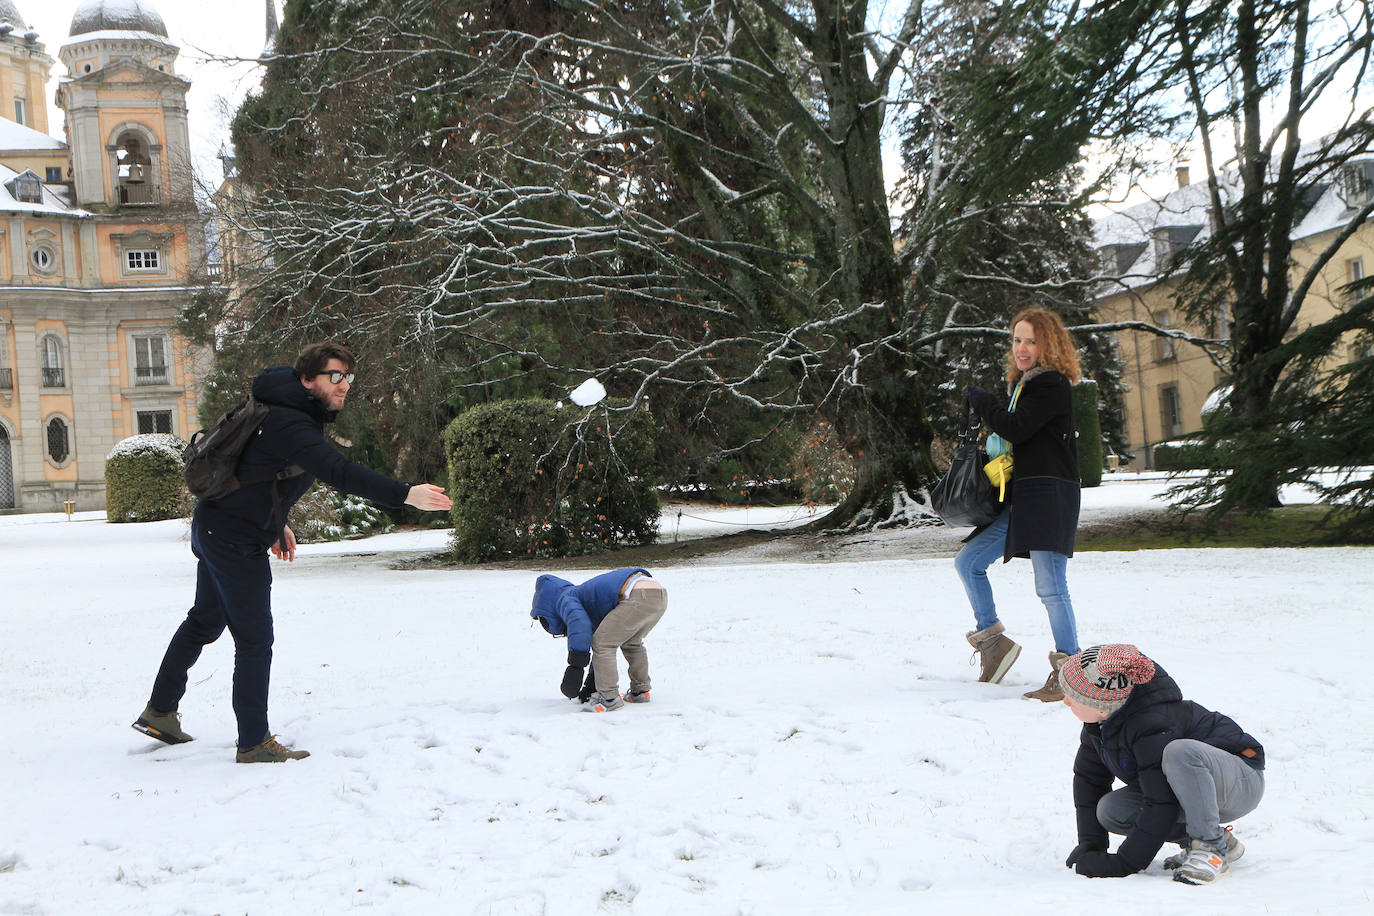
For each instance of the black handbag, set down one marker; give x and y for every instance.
(964, 496)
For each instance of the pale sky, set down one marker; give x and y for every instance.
(202, 28)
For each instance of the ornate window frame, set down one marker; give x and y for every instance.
(46, 371)
(143, 240)
(135, 335)
(45, 252)
(69, 429)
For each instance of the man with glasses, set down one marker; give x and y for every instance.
(231, 537)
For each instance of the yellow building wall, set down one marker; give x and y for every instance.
(27, 81)
(62, 403)
(37, 160)
(1190, 371)
(177, 254)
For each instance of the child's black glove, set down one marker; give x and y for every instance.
(572, 681)
(1098, 845)
(1102, 865)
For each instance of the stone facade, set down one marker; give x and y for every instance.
(97, 256)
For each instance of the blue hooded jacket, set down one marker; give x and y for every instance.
(294, 435)
(577, 610)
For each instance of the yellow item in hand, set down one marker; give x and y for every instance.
(999, 472)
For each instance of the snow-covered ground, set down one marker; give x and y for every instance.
(817, 742)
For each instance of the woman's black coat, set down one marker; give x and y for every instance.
(1044, 486)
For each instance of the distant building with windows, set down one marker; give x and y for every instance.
(99, 240)
(1168, 382)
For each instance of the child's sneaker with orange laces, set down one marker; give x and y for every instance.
(1205, 864)
(1234, 850)
(640, 697)
(597, 703)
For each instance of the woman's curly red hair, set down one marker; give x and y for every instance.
(1057, 351)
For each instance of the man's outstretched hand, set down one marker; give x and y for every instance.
(428, 497)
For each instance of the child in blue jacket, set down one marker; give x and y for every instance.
(1186, 769)
(614, 610)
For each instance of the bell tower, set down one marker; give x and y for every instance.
(125, 109)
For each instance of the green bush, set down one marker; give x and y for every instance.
(1089, 423)
(325, 514)
(144, 479)
(530, 479)
(1183, 455)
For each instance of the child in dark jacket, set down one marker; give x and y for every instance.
(614, 610)
(1186, 769)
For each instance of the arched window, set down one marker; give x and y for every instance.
(58, 440)
(50, 353)
(134, 170)
(6, 470)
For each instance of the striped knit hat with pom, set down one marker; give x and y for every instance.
(1102, 677)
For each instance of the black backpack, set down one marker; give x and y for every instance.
(212, 457)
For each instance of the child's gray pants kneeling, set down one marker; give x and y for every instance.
(1212, 786)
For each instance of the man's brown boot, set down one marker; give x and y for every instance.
(1051, 692)
(269, 751)
(164, 726)
(996, 652)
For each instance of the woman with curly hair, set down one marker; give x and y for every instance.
(1039, 519)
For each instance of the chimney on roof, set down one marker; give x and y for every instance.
(1182, 173)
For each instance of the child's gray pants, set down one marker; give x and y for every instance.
(624, 628)
(1212, 786)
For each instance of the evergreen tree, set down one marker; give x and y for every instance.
(686, 198)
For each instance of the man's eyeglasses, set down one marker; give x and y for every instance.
(336, 377)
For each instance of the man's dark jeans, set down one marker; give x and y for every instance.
(233, 589)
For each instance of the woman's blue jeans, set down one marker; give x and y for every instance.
(1051, 582)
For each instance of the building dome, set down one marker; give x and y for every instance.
(10, 13)
(115, 16)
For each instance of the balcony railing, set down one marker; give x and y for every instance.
(54, 378)
(150, 375)
(6, 379)
(142, 192)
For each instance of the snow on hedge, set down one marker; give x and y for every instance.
(147, 442)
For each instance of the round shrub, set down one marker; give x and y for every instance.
(530, 479)
(1089, 423)
(144, 479)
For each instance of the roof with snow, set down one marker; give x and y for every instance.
(18, 137)
(1143, 238)
(52, 203)
(116, 16)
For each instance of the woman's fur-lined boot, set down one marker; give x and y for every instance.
(1051, 692)
(996, 652)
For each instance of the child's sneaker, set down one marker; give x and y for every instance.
(1206, 863)
(1234, 850)
(639, 697)
(597, 703)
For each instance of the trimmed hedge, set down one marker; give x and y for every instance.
(1182, 455)
(1089, 423)
(144, 479)
(530, 479)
